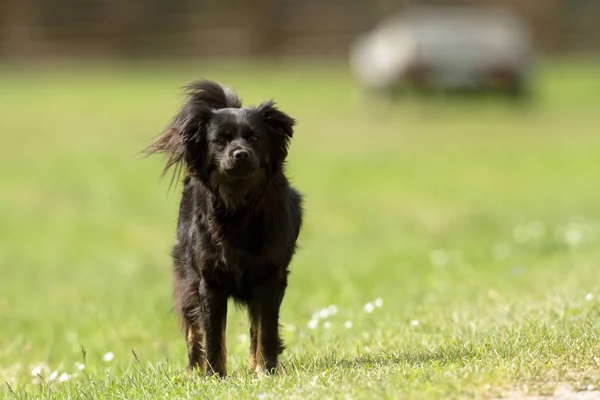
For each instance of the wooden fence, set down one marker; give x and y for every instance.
(245, 28)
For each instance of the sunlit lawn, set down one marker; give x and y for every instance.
(458, 241)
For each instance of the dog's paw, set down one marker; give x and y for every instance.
(191, 370)
(219, 374)
(262, 371)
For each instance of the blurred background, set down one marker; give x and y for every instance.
(41, 29)
(443, 207)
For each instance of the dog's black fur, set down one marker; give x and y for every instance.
(239, 220)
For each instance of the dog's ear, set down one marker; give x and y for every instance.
(278, 121)
(183, 139)
(211, 95)
(281, 126)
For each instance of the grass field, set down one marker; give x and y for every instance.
(454, 245)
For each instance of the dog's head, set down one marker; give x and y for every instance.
(223, 144)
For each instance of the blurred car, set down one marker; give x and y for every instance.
(445, 48)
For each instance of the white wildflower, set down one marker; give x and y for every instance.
(333, 310)
(414, 322)
(63, 377)
(369, 307)
(243, 338)
(439, 258)
(53, 375)
(79, 366)
(36, 371)
(573, 236)
(348, 324)
(313, 324)
(108, 357)
(378, 302)
(521, 234)
(536, 229)
(500, 251)
(324, 313)
(589, 297)
(516, 271)
(327, 325)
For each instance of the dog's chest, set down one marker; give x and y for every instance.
(238, 251)
(242, 263)
(238, 243)
(244, 247)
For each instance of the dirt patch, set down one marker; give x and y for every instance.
(564, 391)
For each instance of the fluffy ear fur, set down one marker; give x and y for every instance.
(281, 124)
(183, 138)
(212, 95)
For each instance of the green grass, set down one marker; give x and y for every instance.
(428, 206)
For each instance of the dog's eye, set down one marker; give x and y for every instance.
(221, 140)
(254, 138)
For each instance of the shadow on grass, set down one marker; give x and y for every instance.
(438, 357)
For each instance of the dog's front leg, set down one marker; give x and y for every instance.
(195, 343)
(214, 321)
(254, 314)
(189, 307)
(266, 344)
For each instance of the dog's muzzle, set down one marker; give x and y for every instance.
(240, 163)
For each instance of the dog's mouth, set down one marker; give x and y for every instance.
(238, 173)
(235, 175)
(239, 170)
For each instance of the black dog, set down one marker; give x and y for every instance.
(239, 220)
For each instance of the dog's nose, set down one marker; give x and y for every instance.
(240, 154)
